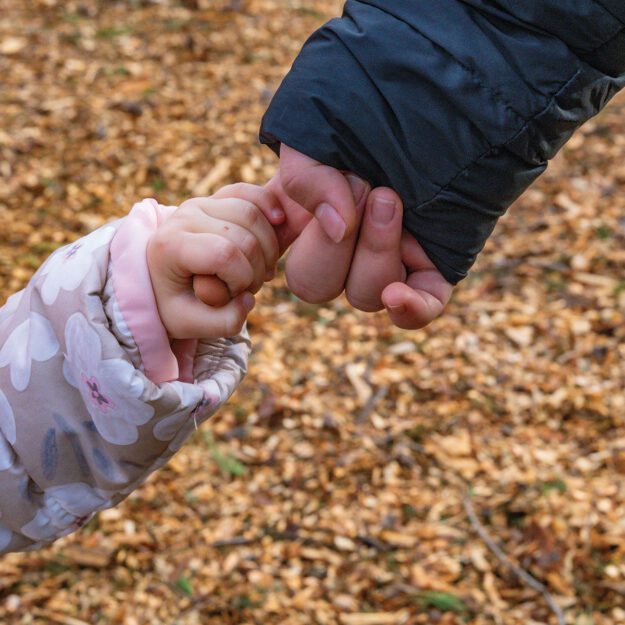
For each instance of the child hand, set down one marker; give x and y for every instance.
(229, 245)
(210, 289)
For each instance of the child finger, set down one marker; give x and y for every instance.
(194, 319)
(262, 197)
(209, 254)
(244, 239)
(245, 214)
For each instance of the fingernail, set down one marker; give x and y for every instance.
(277, 214)
(358, 187)
(399, 309)
(393, 303)
(248, 301)
(330, 221)
(270, 274)
(382, 211)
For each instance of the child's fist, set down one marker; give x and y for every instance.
(210, 289)
(226, 239)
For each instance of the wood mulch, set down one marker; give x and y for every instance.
(362, 475)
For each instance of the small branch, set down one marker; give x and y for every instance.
(374, 543)
(372, 404)
(57, 617)
(523, 575)
(236, 541)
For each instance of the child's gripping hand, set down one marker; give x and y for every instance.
(229, 246)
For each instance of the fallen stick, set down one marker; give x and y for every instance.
(523, 575)
(371, 404)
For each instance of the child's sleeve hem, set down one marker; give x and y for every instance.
(133, 291)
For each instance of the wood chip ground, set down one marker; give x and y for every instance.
(330, 491)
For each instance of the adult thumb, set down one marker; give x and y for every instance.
(323, 191)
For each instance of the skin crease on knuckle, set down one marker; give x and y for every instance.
(251, 214)
(311, 293)
(225, 253)
(160, 248)
(187, 206)
(251, 248)
(292, 183)
(366, 304)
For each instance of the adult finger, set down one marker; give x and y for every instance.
(323, 191)
(410, 307)
(425, 293)
(297, 218)
(377, 260)
(211, 290)
(317, 267)
(422, 272)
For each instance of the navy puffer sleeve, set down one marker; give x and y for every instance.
(457, 105)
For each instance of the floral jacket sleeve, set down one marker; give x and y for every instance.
(93, 395)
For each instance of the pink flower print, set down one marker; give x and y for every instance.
(95, 394)
(70, 253)
(64, 509)
(111, 388)
(33, 340)
(68, 267)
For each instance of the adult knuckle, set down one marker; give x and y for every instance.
(367, 302)
(373, 242)
(292, 183)
(310, 293)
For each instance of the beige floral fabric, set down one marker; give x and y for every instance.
(81, 425)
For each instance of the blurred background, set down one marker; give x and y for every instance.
(349, 479)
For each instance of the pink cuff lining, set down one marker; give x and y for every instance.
(162, 361)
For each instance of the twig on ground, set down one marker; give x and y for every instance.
(372, 404)
(57, 617)
(236, 541)
(523, 575)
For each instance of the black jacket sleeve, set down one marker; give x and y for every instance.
(456, 104)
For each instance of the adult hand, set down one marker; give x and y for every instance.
(355, 244)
